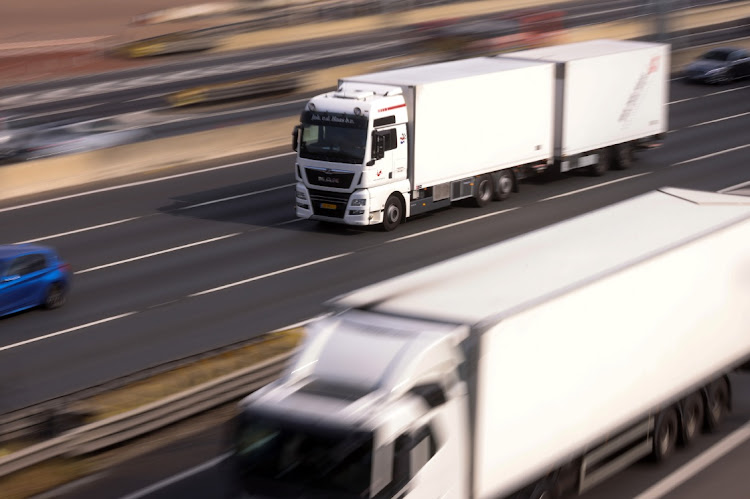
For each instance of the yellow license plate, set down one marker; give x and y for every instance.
(328, 206)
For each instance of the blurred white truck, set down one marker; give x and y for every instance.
(542, 364)
(390, 145)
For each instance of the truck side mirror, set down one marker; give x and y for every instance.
(295, 137)
(378, 145)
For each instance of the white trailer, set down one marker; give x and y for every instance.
(611, 97)
(544, 363)
(389, 145)
(386, 146)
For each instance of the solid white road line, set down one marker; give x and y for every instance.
(65, 331)
(270, 274)
(594, 187)
(451, 225)
(719, 119)
(144, 182)
(156, 253)
(207, 203)
(177, 478)
(697, 464)
(77, 231)
(710, 155)
(709, 94)
(733, 187)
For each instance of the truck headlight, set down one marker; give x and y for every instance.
(359, 202)
(301, 195)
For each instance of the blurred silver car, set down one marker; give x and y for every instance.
(79, 137)
(12, 137)
(719, 65)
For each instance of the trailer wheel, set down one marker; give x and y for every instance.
(692, 418)
(483, 191)
(665, 435)
(717, 404)
(392, 213)
(622, 159)
(503, 185)
(602, 165)
(545, 489)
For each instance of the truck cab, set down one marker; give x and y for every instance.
(352, 153)
(365, 411)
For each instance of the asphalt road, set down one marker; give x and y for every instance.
(177, 263)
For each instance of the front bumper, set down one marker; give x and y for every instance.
(334, 207)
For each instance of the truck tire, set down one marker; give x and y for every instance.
(393, 212)
(483, 191)
(622, 156)
(502, 185)
(693, 413)
(665, 435)
(602, 165)
(717, 404)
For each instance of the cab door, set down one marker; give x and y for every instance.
(401, 153)
(21, 285)
(387, 141)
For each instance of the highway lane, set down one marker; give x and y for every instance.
(137, 302)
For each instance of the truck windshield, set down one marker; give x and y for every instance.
(279, 459)
(333, 137)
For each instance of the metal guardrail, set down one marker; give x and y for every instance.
(138, 422)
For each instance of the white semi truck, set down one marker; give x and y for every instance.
(544, 363)
(390, 145)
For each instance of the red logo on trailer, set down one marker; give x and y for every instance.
(654, 65)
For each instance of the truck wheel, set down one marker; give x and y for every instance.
(717, 404)
(483, 191)
(602, 165)
(545, 489)
(622, 157)
(692, 418)
(392, 213)
(503, 185)
(665, 435)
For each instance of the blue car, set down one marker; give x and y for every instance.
(31, 275)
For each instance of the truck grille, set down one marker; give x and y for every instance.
(329, 178)
(329, 204)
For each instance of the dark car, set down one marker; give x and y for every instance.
(31, 275)
(720, 65)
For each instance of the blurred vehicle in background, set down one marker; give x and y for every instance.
(30, 276)
(78, 137)
(12, 137)
(458, 38)
(719, 65)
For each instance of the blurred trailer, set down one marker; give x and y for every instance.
(543, 364)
